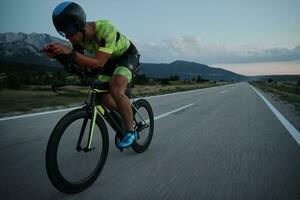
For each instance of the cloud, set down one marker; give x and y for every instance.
(195, 49)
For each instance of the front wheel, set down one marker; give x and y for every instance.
(71, 165)
(143, 124)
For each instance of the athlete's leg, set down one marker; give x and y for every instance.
(108, 101)
(118, 85)
(106, 98)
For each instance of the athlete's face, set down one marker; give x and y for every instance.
(75, 38)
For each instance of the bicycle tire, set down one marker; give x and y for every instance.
(54, 174)
(136, 146)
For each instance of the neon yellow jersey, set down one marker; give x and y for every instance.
(109, 40)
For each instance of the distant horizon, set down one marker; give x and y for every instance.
(227, 69)
(238, 68)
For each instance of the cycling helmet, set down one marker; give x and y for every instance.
(68, 18)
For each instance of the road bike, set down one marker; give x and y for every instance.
(78, 145)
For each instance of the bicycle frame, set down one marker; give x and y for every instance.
(105, 114)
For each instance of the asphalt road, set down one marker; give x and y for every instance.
(227, 145)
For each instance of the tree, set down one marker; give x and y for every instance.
(13, 82)
(270, 80)
(164, 81)
(141, 79)
(199, 79)
(174, 78)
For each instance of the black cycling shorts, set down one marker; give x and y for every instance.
(129, 59)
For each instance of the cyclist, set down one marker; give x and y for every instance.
(107, 50)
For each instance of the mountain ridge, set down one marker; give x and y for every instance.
(25, 48)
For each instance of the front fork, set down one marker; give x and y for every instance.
(91, 131)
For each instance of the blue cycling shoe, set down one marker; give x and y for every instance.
(127, 140)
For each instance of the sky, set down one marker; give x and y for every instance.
(257, 37)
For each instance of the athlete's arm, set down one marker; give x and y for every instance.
(108, 33)
(85, 61)
(92, 62)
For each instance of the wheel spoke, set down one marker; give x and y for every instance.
(144, 125)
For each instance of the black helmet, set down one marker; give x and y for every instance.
(68, 18)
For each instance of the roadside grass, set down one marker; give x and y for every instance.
(286, 91)
(26, 100)
(34, 97)
(142, 90)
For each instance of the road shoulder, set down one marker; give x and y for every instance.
(286, 109)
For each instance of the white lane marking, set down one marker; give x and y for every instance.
(292, 130)
(150, 97)
(56, 111)
(189, 91)
(36, 114)
(173, 111)
(228, 90)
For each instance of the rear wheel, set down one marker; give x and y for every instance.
(144, 124)
(71, 166)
